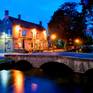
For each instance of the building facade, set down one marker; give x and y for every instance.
(19, 35)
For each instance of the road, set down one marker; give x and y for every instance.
(69, 54)
(77, 55)
(66, 54)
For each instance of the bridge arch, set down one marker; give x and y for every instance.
(88, 80)
(89, 73)
(23, 65)
(56, 69)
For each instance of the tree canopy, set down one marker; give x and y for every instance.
(67, 22)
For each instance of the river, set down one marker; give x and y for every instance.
(14, 81)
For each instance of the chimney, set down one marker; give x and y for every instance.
(19, 16)
(6, 13)
(40, 23)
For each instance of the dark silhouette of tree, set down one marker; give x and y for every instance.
(87, 12)
(89, 40)
(87, 5)
(67, 23)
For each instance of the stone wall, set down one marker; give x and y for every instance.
(78, 65)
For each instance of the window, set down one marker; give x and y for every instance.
(24, 33)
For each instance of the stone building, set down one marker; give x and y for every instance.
(19, 35)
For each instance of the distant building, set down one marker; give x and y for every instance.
(17, 34)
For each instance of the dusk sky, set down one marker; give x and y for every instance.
(32, 10)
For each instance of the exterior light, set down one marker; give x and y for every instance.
(34, 32)
(78, 41)
(4, 35)
(45, 35)
(34, 37)
(20, 45)
(18, 28)
(53, 37)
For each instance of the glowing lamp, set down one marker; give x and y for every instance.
(18, 28)
(77, 41)
(34, 32)
(45, 35)
(53, 37)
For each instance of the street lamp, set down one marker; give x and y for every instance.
(77, 42)
(53, 37)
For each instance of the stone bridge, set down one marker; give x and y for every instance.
(77, 64)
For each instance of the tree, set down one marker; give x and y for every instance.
(87, 5)
(89, 40)
(87, 12)
(67, 22)
(59, 43)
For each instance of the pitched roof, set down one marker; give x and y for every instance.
(25, 23)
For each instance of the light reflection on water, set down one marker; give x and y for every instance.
(39, 85)
(18, 81)
(15, 82)
(4, 79)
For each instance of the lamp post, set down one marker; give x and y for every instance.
(53, 37)
(78, 42)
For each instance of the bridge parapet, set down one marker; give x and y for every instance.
(77, 64)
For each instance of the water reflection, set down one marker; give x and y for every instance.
(39, 85)
(16, 82)
(4, 79)
(34, 86)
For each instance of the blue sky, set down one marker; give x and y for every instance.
(32, 10)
